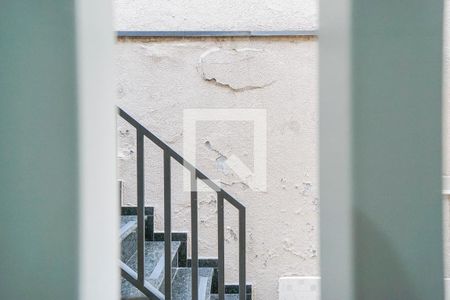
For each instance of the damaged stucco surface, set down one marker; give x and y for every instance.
(236, 68)
(160, 78)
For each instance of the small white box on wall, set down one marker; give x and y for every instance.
(299, 288)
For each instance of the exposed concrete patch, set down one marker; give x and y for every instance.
(223, 167)
(212, 200)
(307, 188)
(221, 159)
(231, 235)
(238, 70)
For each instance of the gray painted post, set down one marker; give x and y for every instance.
(380, 156)
(58, 215)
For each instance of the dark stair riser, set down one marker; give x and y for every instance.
(149, 219)
(154, 262)
(154, 257)
(230, 289)
(182, 285)
(181, 260)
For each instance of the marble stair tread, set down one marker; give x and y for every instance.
(128, 224)
(154, 266)
(154, 261)
(129, 291)
(227, 297)
(181, 286)
(128, 236)
(125, 219)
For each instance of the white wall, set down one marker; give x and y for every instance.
(159, 78)
(215, 15)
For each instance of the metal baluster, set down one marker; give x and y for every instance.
(221, 250)
(194, 230)
(138, 279)
(140, 204)
(167, 228)
(242, 248)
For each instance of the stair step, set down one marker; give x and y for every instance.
(154, 266)
(227, 297)
(126, 219)
(182, 284)
(128, 237)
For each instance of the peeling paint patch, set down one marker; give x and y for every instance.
(307, 188)
(125, 152)
(243, 185)
(231, 234)
(221, 160)
(316, 203)
(222, 165)
(238, 70)
(243, 89)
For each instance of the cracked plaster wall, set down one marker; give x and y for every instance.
(158, 79)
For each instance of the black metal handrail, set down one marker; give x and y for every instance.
(138, 279)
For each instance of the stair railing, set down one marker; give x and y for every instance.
(138, 279)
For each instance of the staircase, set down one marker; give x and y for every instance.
(146, 274)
